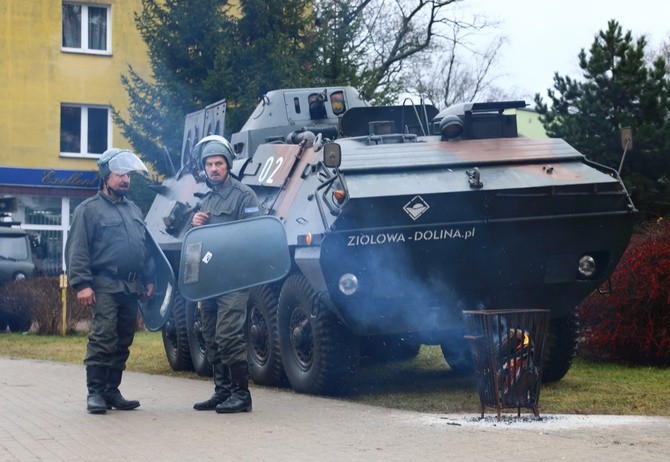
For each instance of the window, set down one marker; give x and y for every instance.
(85, 131)
(86, 28)
(337, 102)
(41, 210)
(47, 219)
(13, 247)
(317, 110)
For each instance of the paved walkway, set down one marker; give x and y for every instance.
(43, 417)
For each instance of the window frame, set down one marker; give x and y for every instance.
(83, 130)
(84, 30)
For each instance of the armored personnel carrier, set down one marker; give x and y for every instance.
(397, 219)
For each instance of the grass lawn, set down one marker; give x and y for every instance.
(423, 384)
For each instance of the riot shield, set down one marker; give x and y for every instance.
(217, 259)
(155, 311)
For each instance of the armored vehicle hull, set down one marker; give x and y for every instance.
(414, 222)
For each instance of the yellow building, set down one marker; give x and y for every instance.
(60, 64)
(528, 123)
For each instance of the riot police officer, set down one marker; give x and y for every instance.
(109, 267)
(223, 317)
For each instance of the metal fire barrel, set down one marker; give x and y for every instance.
(506, 348)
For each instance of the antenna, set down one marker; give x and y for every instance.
(626, 145)
(169, 161)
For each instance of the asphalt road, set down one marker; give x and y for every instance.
(43, 418)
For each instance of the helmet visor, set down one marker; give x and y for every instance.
(125, 162)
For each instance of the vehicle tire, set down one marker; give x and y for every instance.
(386, 349)
(196, 342)
(19, 322)
(560, 346)
(265, 364)
(320, 355)
(175, 336)
(457, 354)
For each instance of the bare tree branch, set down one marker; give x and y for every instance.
(462, 71)
(391, 44)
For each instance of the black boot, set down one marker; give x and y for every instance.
(240, 399)
(96, 377)
(221, 389)
(112, 395)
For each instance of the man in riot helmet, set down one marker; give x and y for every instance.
(110, 268)
(223, 317)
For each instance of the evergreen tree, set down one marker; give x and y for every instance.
(620, 88)
(271, 48)
(184, 41)
(340, 55)
(202, 51)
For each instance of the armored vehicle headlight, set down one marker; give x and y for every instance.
(348, 284)
(587, 266)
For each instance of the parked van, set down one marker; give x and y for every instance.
(16, 263)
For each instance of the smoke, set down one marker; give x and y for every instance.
(404, 287)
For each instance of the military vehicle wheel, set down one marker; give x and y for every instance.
(175, 337)
(456, 352)
(265, 366)
(320, 355)
(389, 348)
(196, 342)
(560, 347)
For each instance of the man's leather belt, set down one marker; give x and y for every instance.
(130, 277)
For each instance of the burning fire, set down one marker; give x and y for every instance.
(517, 350)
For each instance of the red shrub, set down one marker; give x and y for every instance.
(632, 324)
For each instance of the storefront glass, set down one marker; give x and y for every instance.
(47, 219)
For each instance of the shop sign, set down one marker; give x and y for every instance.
(49, 178)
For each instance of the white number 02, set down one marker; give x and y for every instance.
(267, 172)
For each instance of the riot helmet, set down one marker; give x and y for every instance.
(215, 145)
(120, 161)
